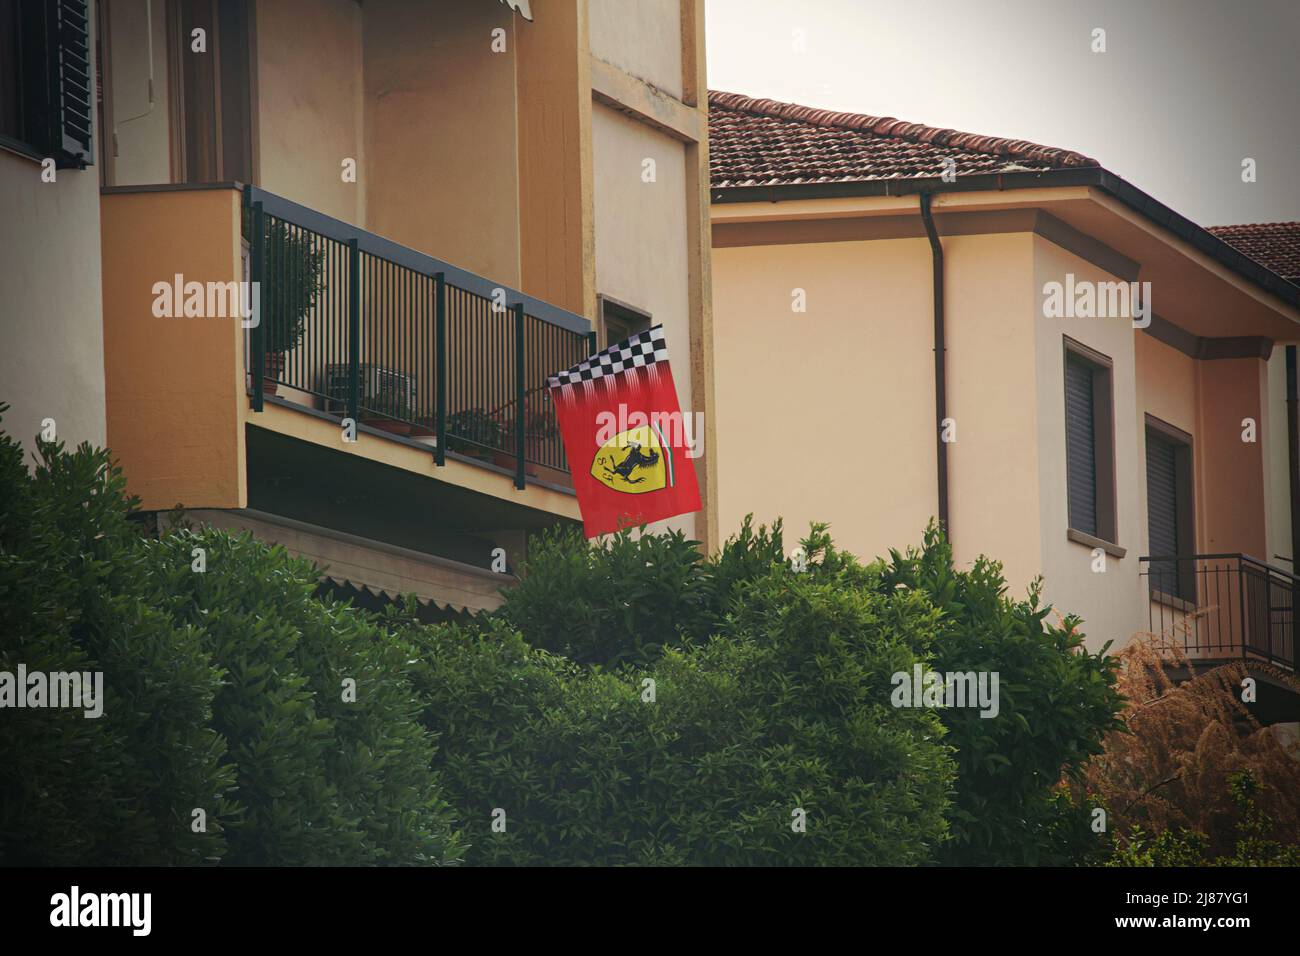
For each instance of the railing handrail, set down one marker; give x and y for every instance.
(1239, 557)
(409, 258)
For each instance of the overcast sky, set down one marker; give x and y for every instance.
(1185, 90)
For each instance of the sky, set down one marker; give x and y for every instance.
(1185, 90)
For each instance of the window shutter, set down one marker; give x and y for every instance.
(71, 83)
(1080, 446)
(1162, 497)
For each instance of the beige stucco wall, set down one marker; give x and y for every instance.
(642, 38)
(441, 132)
(1166, 384)
(1232, 479)
(641, 248)
(1111, 602)
(51, 318)
(826, 415)
(309, 103)
(993, 480)
(143, 144)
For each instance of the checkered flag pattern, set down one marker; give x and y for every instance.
(638, 351)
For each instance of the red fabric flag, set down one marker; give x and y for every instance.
(625, 437)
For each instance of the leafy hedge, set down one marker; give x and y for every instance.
(635, 703)
(631, 598)
(780, 714)
(224, 692)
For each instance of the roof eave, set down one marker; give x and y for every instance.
(1095, 176)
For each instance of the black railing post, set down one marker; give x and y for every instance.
(257, 341)
(1241, 597)
(591, 343)
(520, 443)
(440, 361)
(354, 331)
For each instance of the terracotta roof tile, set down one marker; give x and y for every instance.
(1274, 245)
(756, 142)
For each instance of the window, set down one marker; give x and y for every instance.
(46, 83)
(1089, 443)
(211, 94)
(619, 320)
(1170, 527)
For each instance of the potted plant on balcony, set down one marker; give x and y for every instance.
(291, 284)
(388, 406)
(475, 432)
(540, 426)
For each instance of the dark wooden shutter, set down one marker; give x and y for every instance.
(71, 83)
(1080, 445)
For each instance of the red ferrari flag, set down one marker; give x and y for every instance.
(624, 436)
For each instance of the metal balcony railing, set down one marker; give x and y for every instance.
(1224, 606)
(364, 328)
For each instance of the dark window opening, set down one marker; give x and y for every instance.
(1089, 442)
(211, 91)
(619, 320)
(1170, 518)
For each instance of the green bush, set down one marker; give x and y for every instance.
(620, 602)
(786, 708)
(321, 780)
(1057, 701)
(223, 692)
(627, 599)
(75, 596)
(630, 600)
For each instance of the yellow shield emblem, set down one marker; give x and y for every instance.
(632, 462)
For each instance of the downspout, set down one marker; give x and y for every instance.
(1293, 453)
(940, 366)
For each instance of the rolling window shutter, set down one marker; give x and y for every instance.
(1080, 446)
(1162, 497)
(1162, 514)
(71, 82)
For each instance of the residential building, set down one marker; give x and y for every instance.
(915, 323)
(438, 205)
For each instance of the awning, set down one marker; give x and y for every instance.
(370, 565)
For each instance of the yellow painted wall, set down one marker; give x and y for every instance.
(1166, 380)
(440, 132)
(309, 67)
(553, 91)
(826, 415)
(642, 38)
(174, 386)
(1232, 475)
(641, 249)
(993, 474)
(1111, 602)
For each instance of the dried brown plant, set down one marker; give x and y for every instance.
(1183, 740)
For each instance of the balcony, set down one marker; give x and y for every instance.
(361, 328)
(1224, 607)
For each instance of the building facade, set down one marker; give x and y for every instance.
(914, 323)
(313, 264)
